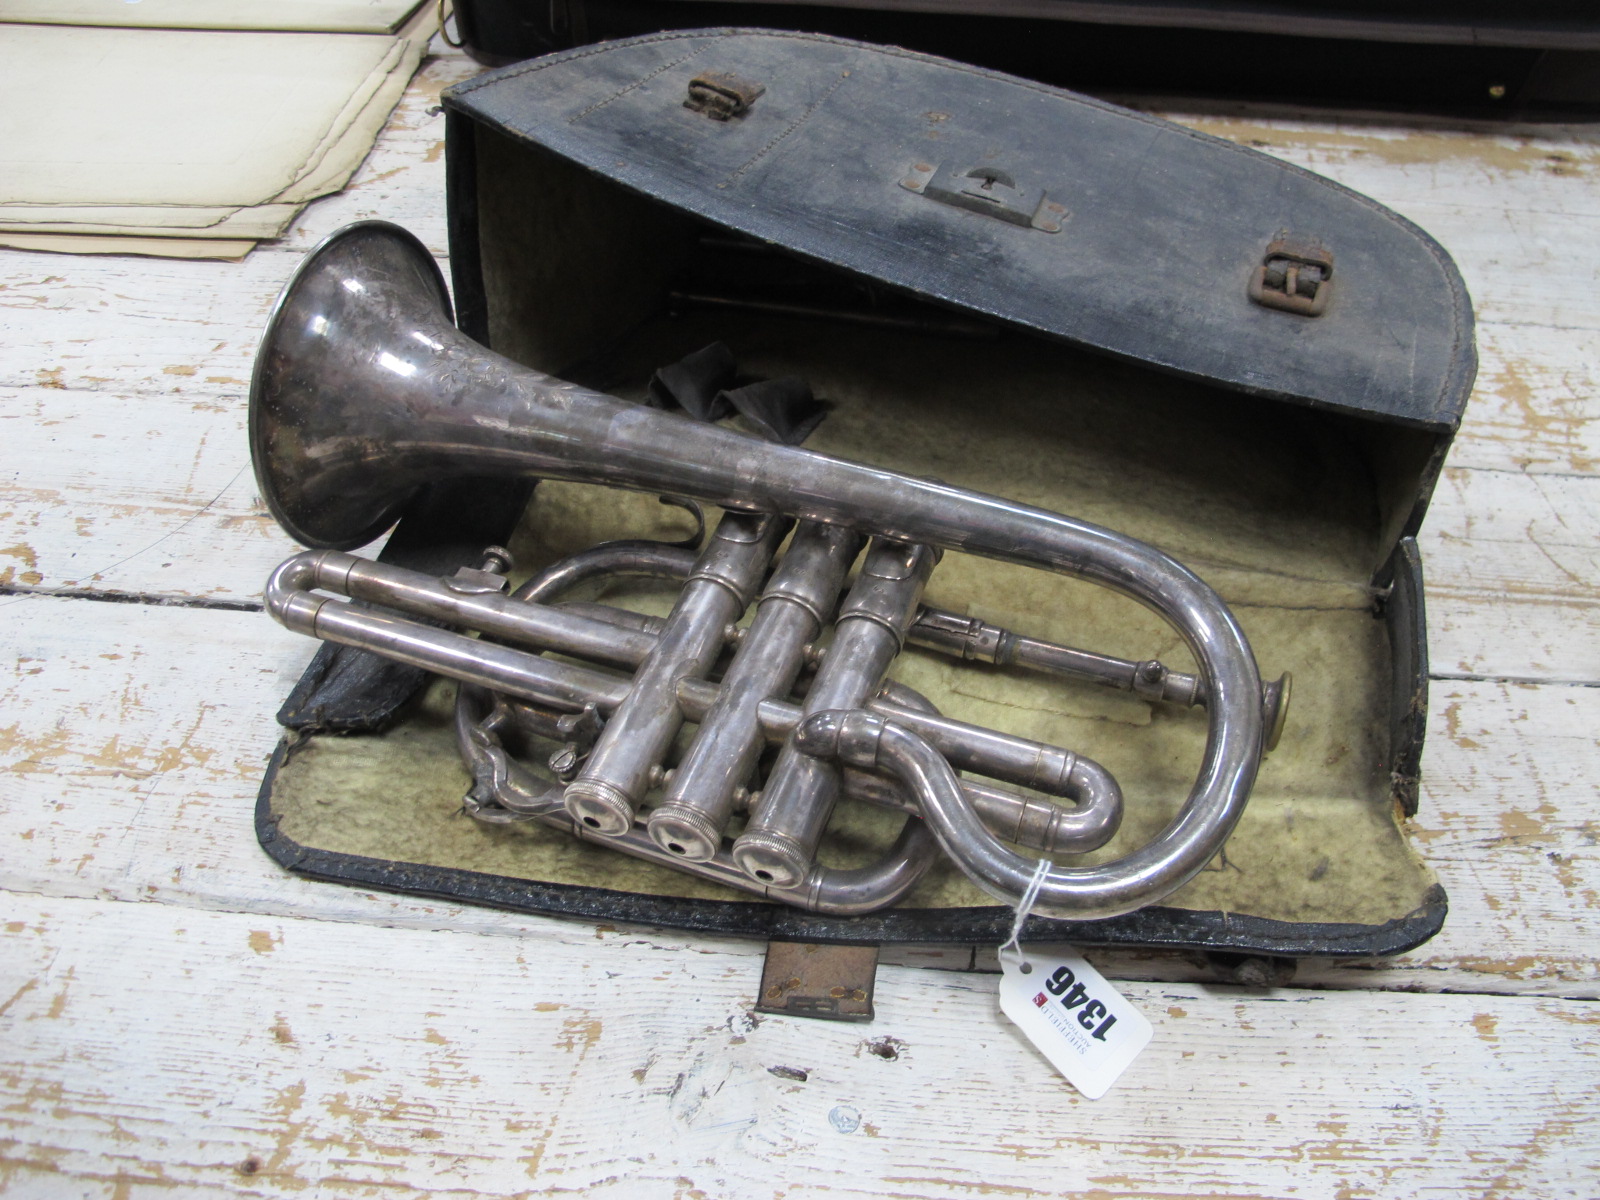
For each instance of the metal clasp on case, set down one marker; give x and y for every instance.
(722, 95)
(1294, 276)
(989, 190)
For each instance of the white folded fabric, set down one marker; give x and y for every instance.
(322, 16)
(162, 134)
(160, 247)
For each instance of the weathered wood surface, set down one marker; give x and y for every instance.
(179, 1016)
(166, 1051)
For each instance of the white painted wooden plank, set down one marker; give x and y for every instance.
(1508, 818)
(1521, 268)
(1512, 566)
(155, 325)
(132, 747)
(1547, 169)
(145, 494)
(148, 1050)
(1536, 406)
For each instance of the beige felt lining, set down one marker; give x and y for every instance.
(1279, 508)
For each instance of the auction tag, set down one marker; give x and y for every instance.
(1077, 1020)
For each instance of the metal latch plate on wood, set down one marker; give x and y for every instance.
(805, 979)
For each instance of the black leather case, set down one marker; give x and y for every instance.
(1117, 302)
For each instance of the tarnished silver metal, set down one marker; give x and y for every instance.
(559, 688)
(520, 795)
(795, 608)
(979, 641)
(364, 392)
(781, 838)
(869, 742)
(635, 740)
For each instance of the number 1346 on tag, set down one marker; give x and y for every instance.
(1087, 1030)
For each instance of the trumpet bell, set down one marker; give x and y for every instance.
(326, 478)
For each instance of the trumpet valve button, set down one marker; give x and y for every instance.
(684, 832)
(600, 806)
(772, 859)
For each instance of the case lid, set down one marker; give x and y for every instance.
(1108, 228)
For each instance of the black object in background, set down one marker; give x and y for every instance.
(1540, 58)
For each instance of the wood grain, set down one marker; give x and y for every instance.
(1536, 406)
(1512, 569)
(151, 1050)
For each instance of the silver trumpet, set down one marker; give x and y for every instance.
(364, 391)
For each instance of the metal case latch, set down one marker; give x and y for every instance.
(804, 979)
(721, 95)
(1294, 277)
(989, 190)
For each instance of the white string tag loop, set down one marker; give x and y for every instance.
(1078, 1021)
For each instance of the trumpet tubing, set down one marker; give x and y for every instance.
(364, 391)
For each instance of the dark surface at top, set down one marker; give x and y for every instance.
(1164, 226)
